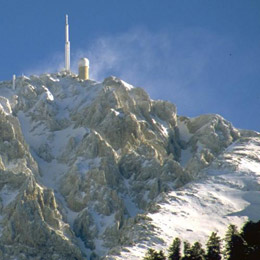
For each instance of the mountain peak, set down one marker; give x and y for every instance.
(85, 163)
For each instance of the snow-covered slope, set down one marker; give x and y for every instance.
(106, 168)
(227, 192)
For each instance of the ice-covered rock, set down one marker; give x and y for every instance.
(30, 222)
(83, 163)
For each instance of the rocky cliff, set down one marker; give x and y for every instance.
(83, 164)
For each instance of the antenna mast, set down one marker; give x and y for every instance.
(67, 45)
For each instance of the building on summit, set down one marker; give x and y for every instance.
(84, 68)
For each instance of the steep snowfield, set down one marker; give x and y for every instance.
(229, 192)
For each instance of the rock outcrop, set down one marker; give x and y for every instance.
(31, 223)
(83, 162)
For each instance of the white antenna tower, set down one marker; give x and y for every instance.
(67, 45)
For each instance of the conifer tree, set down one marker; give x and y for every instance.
(186, 250)
(197, 252)
(161, 256)
(154, 255)
(234, 245)
(213, 251)
(174, 251)
(251, 234)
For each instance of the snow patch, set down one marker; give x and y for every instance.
(162, 126)
(7, 195)
(131, 207)
(186, 155)
(120, 114)
(200, 146)
(48, 93)
(84, 165)
(54, 79)
(5, 106)
(128, 86)
(184, 132)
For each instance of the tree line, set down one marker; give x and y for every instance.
(236, 245)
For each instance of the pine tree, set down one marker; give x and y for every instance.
(149, 254)
(251, 234)
(186, 251)
(161, 256)
(213, 248)
(234, 245)
(154, 255)
(197, 252)
(175, 250)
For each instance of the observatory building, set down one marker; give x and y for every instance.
(84, 68)
(83, 62)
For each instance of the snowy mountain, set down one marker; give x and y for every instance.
(94, 170)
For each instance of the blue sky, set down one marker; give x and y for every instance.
(202, 55)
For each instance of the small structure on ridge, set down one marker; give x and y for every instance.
(84, 68)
